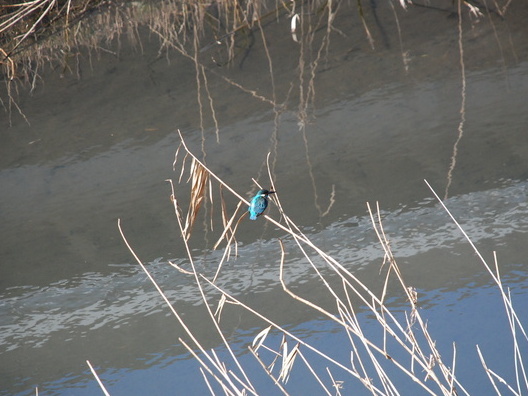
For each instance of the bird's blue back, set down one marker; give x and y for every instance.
(258, 204)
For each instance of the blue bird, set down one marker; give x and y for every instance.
(259, 203)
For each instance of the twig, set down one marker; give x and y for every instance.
(98, 379)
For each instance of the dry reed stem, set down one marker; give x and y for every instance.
(121, 20)
(513, 319)
(34, 26)
(227, 226)
(423, 361)
(355, 329)
(376, 392)
(423, 354)
(200, 288)
(183, 271)
(288, 359)
(446, 372)
(336, 384)
(231, 240)
(275, 325)
(435, 358)
(276, 382)
(493, 376)
(352, 319)
(229, 390)
(220, 308)
(97, 378)
(161, 20)
(275, 353)
(493, 275)
(314, 374)
(259, 338)
(206, 381)
(175, 313)
(371, 305)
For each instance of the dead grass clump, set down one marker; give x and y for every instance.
(23, 24)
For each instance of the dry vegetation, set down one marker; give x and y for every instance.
(404, 346)
(60, 34)
(37, 33)
(52, 33)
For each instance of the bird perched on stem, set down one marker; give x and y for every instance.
(258, 204)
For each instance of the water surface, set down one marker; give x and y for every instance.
(100, 148)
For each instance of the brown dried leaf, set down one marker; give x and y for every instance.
(199, 178)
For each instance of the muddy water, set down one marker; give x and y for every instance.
(101, 146)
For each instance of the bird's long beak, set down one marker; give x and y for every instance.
(271, 192)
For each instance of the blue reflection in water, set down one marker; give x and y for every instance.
(465, 322)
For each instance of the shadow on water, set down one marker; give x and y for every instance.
(100, 148)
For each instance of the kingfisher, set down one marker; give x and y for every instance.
(259, 203)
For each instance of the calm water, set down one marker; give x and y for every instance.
(100, 148)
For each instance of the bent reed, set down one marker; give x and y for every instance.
(400, 357)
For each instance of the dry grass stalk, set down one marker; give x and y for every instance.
(337, 385)
(217, 371)
(259, 339)
(314, 373)
(206, 380)
(229, 233)
(268, 371)
(288, 358)
(406, 345)
(183, 271)
(98, 379)
(199, 176)
(231, 240)
(513, 320)
(179, 25)
(290, 335)
(228, 376)
(400, 333)
(220, 308)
